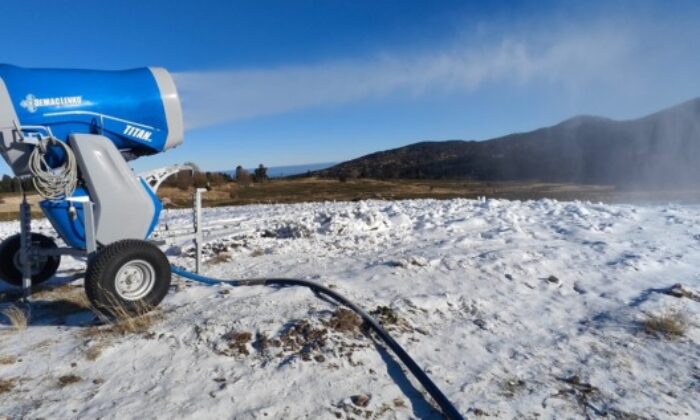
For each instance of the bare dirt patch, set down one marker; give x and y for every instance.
(95, 350)
(345, 321)
(591, 401)
(66, 380)
(6, 385)
(304, 339)
(8, 360)
(308, 339)
(237, 343)
(391, 321)
(219, 259)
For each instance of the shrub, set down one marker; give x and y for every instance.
(18, 318)
(669, 324)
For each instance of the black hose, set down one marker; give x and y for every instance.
(448, 409)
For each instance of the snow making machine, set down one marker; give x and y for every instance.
(72, 132)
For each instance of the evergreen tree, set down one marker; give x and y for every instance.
(261, 173)
(242, 176)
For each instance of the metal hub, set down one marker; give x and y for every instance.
(37, 263)
(135, 280)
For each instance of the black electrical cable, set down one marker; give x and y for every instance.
(448, 409)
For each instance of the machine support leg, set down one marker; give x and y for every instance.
(90, 241)
(197, 221)
(25, 240)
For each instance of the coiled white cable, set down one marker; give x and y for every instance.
(53, 183)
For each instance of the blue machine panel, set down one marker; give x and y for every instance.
(71, 228)
(137, 110)
(125, 106)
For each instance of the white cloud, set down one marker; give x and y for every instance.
(569, 59)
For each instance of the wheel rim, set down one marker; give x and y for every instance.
(135, 280)
(37, 264)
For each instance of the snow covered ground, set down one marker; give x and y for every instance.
(515, 309)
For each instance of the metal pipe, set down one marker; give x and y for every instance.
(25, 243)
(198, 227)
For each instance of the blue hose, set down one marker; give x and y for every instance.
(448, 409)
(196, 277)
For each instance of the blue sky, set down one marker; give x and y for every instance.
(293, 82)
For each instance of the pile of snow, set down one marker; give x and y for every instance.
(515, 309)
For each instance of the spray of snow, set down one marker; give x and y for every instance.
(569, 59)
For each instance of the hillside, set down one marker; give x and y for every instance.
(658, 150)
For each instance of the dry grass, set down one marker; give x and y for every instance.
(257, 253)
(61, 301)
(219, 259)
(322, 189)
(8, 360)
(325, 189)
(18, 317)
(65, 292)
(6, 385)
(80, 300)
(122, 320)
(124, 324)
(119, 321)
(94, 351)
(139, 324)
(669, 324)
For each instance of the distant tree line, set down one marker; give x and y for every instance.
(245, 179)
(11, 184)
(187, 179)
(182, 180)
(199, 179)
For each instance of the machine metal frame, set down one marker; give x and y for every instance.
(28, 252)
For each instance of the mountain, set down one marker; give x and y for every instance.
(659, 150)
(282, 171)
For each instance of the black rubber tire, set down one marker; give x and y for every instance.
(12, 273)
(101, 277)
